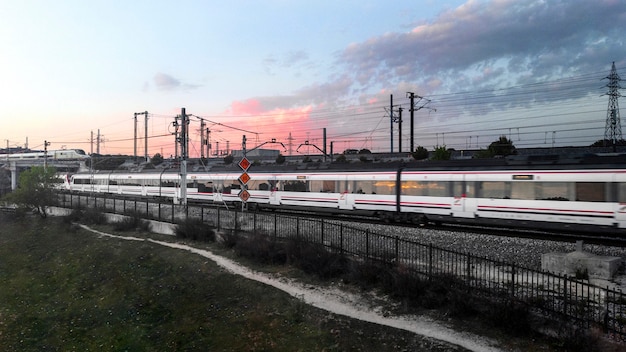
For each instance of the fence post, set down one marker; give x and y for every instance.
(397, 249)
(341, 238)
(202, 213)
(513, 281)
(430, 261)
(468, 269)
(323, 232)
(298, 228)
(275, 226)
(254, 222)
(565, 295)
(159, 210)
(367, 243)
(218, 219)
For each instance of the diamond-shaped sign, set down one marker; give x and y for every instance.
(244, 195)
(244, 164)
(244, 178)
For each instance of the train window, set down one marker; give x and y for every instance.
(295, 186)
(590, 191)
(325, 186)
(427, 188)
(152, 182)
(522, 190)
(258, 184)
(461, 188)
(168, 184)
(554, 191)
(494, 189)
(621, 192)
(365, 187)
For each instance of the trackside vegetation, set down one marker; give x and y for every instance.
(67, 289)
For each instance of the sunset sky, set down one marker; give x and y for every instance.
(530, 70)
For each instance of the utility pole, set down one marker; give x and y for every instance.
(98, 143)
(400, 129)
(613, 129)
(412, 109)
(145, 136)
(202, 139)
(45, 154)
(135, 140)
(184, 136)
(324, 151)
(391, 119)
(208, 143)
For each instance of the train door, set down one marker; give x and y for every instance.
(274, 186)
(463, 195)
(620, 205)
(346, 198)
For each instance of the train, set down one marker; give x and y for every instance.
(549, 194)
(61, 154)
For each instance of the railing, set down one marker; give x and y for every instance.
(547, 293)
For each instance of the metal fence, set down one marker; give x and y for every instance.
(544, 292)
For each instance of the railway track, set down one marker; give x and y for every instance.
(529, 233)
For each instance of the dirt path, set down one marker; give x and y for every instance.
(336, 301)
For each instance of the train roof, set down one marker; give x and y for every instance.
(517, 162)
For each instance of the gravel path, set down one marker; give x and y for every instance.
(337, 301)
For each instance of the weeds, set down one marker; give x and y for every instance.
(131, 222)
(195, 229)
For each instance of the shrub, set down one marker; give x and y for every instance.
(315, 259)
(261, 248)
(196, 230)
(132, 222)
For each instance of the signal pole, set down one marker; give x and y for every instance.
(613, 129)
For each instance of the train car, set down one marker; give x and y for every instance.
(62, 154)
(578, 197)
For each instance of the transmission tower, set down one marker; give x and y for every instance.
(613, 129)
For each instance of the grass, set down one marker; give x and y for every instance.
(64, 289)
(67, 289)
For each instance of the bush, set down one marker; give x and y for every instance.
(511, 317)
(195, 229)
(315, 259)
(261, 248)
(131, 222)
(89, 216)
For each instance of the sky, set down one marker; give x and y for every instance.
(286, 71)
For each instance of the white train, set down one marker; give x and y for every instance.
(62, 154)
(553, 196)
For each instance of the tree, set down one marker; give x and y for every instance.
(228, 159)
(608, 143)
(280, 159)
(156, 159)
(441, 153)
(36, 189)
(420, 153)
(503, 147)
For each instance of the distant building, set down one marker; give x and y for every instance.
(257, 153)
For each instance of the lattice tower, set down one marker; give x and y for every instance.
(613, 129)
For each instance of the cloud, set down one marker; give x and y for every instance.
(291, 60)
(164, 81)
(549, 37)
